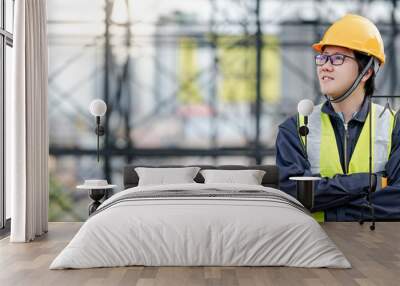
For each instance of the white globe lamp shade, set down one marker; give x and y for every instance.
(305, 107)
(98, 107)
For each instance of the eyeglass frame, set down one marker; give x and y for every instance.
(329, 57)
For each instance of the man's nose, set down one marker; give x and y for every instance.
(327, 66)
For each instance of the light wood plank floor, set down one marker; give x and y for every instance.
(375, 257)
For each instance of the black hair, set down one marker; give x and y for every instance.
(362, 60)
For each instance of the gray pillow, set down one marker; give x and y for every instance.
(248, 177)
(163, 176)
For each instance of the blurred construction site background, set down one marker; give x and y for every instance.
(185, 82)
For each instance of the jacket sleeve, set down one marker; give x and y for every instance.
(387, 200)
(329, 192)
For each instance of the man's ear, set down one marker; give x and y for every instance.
(369, 73)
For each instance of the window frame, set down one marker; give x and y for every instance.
(6, 39)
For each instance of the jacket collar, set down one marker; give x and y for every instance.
(360, 116)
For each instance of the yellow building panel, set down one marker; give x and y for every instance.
(189, 90)
(238, 70)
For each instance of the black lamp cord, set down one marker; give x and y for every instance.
(98, 137)
(370, 206)
(305, 136)
(303, 131)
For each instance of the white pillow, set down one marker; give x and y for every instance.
(164, 176)
(248, 177)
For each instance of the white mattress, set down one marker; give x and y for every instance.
(200, 231)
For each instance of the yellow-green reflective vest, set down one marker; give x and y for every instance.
(322, 149)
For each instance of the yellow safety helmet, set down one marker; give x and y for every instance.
(354, 32)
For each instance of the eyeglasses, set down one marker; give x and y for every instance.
(335, 59)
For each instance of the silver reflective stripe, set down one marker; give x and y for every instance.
(314, 139)
(382, 138)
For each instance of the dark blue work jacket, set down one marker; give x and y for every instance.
(342, 196)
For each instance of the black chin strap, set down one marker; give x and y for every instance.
(354, 85)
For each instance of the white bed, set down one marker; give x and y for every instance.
(270, 229)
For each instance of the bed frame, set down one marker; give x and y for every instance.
(270, 179)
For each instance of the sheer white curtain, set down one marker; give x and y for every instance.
(27, 127)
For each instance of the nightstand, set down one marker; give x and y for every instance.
(97, 190)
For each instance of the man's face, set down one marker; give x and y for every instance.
(335, 80)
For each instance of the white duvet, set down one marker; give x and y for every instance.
(200, 231)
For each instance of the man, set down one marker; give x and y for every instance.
(349, 56)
